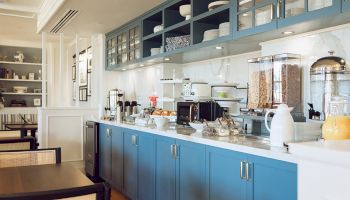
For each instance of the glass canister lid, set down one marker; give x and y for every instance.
(328, 65)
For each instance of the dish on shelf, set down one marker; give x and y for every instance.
(224, 29)
(210, 34)
(155, 51)
(20, 89)
(217, 4)
(185, 11)
(158, 28)
(177, 42)
(294, 11)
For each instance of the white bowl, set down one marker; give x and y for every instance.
(226, 104)
(158, 28)
(20, 89)
(224, 29)
(155, 51)
(185, 11)
(217, 4)
(198, 126)
(161, 122)
(210, 34)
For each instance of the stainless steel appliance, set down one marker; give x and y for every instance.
(196, 91)
(91, 149)
(329, 77)
(190, 111)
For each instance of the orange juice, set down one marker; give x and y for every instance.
(336, 128)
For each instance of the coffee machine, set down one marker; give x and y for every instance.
(115, 99)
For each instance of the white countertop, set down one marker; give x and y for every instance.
(332, 152)
(232, 143)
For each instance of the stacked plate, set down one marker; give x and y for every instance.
(217, 4)
(224, 29)
(210, 34)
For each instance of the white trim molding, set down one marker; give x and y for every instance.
(46, 12)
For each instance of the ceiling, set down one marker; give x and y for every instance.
(18, 20)
(100, 16)
(95, 16)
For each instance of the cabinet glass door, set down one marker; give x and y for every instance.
(294, 7)
(111, 52)
(319, 4)
(255, 16)
(134, 43)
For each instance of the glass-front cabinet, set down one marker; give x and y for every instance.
(254, 16)
(123, 46)
(296, 11)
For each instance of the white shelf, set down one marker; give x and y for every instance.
(23, 94)
(226, 99)
(20, 63)
(20, 80)
(175, 81)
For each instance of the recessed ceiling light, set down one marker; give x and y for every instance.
(166, 59)
(287, 32)
(142, 65)
(124, 69)
(219, 47)
(245, 14)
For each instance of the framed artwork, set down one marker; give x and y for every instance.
(89, 84)
(74, 90)
(74, 72)
(37, 102)
(82, 69)
(89, 59)
(83, 94)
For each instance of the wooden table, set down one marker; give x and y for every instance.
(40, 178)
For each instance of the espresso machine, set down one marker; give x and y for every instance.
(329, 76)
(115, 99)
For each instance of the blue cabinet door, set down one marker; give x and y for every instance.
(117, 158)
(191, 171)
(345, 5)
(271, 179)
(146, 166)
(165, 169)
(105, 133)
(223, 175)
(289, 14)
(130, 164)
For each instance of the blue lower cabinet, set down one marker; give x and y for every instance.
(105, 152)
(271, 179)
(224, 181)
(345, 5)
(165, 169)
(130, 164)
(117, 158)
(146, 169)
(191, 171)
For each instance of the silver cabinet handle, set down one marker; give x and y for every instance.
(241, 170)
(247, 171)
(134, 140)
(108, 131)
(173, 150)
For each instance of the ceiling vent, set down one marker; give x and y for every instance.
(64, 20)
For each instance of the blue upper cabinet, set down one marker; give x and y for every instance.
(270, 179)
(224, 174)
(345, 5)
(297, 11)
(123, 45)
(105, 151)
(255, 16)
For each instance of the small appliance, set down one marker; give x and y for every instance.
(196, 91)
(190, 111)
(91, 149)
(114, 99)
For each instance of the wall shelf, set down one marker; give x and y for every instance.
(22, 94)
(20, 63)
(21, 80)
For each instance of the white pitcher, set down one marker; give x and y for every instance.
(282, 128)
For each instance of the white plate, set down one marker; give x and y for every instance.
(217, 4)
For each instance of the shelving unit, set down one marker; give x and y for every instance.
(30, 64)
(173, 82)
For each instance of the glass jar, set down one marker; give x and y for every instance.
(337, 124)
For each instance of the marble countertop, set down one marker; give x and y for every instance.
(236, 143)
(331, 152)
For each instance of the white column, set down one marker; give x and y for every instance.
(77, 68)
(61, 67)
(43, 69)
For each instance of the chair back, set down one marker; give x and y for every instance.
(98, 191)
(15, 143)
(33, 157)
(10, 134)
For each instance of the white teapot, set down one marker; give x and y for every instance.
(282, 125)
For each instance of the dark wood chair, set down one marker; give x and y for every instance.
(16, 158)
(98, 191)
(16, 143)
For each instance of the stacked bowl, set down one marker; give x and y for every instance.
(210, 34)
(224, 29)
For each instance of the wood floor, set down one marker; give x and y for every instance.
(117, 196)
